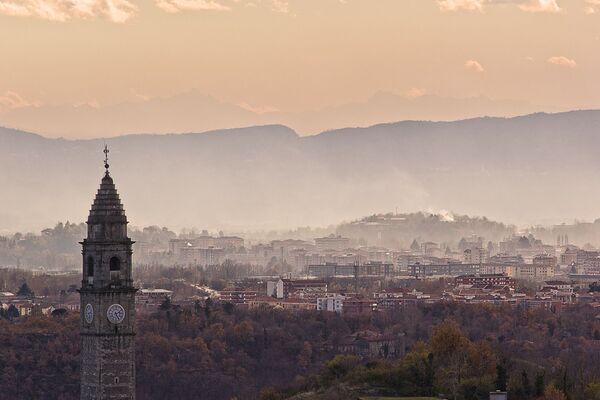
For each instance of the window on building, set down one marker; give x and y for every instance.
(115, 264)
(90, 266)
(115, 269)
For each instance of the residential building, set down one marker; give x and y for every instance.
(475, 255)
(534, 272)
(486, 281)
(368, 344)
(332, 242)
(449, 269)
(229, 243)
(329, 270)
(237, 296)
(303, 288)
(284, 304)
(359, 306)
(202, 256)
(430, 249)
(148, 300)
(332, 303)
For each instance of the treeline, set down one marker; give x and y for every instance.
(12, 280)
(58, 247)
(218, 352)
(471, 351)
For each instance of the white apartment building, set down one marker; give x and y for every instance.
(332, 303)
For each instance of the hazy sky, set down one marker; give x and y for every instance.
(276, 56)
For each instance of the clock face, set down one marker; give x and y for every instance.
(89, 313)
(116, 313)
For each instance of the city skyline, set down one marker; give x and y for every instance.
(299, 199)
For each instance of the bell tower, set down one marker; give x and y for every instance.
(107, 300)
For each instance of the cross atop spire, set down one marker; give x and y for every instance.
(106, 151)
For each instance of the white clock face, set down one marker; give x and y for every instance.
(116, 313)
(89, 313)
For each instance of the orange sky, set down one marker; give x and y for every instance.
(71, 63)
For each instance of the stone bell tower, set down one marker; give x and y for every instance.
(107, 300)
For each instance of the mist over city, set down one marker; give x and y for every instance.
(299, 200)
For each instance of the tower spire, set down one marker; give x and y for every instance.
(106, 151)
(107, 293)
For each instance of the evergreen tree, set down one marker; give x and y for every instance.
(166, 304)
(12, 312)
(539, 385)
(25, 291)
(525, 385)
(501, 378)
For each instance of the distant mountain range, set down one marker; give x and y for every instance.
(535, 168)
(194, 111)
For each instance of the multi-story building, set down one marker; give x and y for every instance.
(304, 259)
(590, 266)
(359, 306)
(407, 258)
(486, 280)
(369, 344)
(289, 249)
(329, 270)
(202, 256)
(502, 269)
(285, 304)
(376, 254)
(332, 242)
(475, 255)
(152, 297)
(557, 290)
(237, 296)
(545, 260)
(391, 293)
(570, 256)
(443, 269)
(175, 246)
(303, 288)
(506, 259)
(332, 303)
(534, 272)
(546, 265)
(229, 243)
(430, 249)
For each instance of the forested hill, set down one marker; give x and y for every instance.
(399, 230)
(530, 169)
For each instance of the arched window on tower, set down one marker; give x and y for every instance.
(90, 270)
(115, 269)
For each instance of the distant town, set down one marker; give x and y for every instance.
(344, 272)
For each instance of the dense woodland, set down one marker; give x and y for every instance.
(219, 352)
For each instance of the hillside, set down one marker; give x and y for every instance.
(524, 170)
(399, 230)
